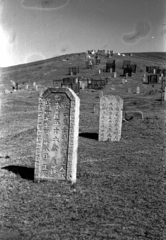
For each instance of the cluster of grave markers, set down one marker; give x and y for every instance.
(58, 131)
(154, 74)
(77, 83)
(128, 68)
(93, 57)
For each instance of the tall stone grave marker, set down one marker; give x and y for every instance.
(110, 118)
(57, 135)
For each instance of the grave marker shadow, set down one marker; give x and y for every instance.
(24, 172)
(89, 135)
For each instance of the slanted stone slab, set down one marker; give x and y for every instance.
(57, 135)
(110, 118)
(133, 115)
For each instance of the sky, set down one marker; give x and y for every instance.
(32, 30)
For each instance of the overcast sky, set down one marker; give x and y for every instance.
(39, 29)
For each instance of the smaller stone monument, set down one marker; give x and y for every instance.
(110, 118)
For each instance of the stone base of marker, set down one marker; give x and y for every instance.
(133, 115)
(57, 135)
(110, 118)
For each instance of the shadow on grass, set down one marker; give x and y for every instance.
(89, 135)
(24, 172)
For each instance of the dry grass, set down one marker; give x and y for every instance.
(120, 189)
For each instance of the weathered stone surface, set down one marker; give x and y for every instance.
(131, 115)
(57, 135)
(110, 118)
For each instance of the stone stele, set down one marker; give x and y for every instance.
(110, 118)
(57, 135)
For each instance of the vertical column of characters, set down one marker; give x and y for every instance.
(118, 118)
(103, 119)
(46, 140)
(71, 139)
(110, 118)
(39, 137)
(117, 123)
(55, 141)
(65, 135)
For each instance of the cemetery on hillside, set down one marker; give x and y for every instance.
(82, 147)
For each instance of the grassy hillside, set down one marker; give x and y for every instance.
(120, 189)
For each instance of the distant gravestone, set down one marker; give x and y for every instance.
(80, 83)
(160, 79)
(144, 80)
(129, 90)
(27, 86)
(83, 85)
(138, 90)
(57, 135)
(86, 83)
(115, 75)
(110, 118)
(34, 84)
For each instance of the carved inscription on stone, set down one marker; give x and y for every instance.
(54, 134)
(110, 118)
